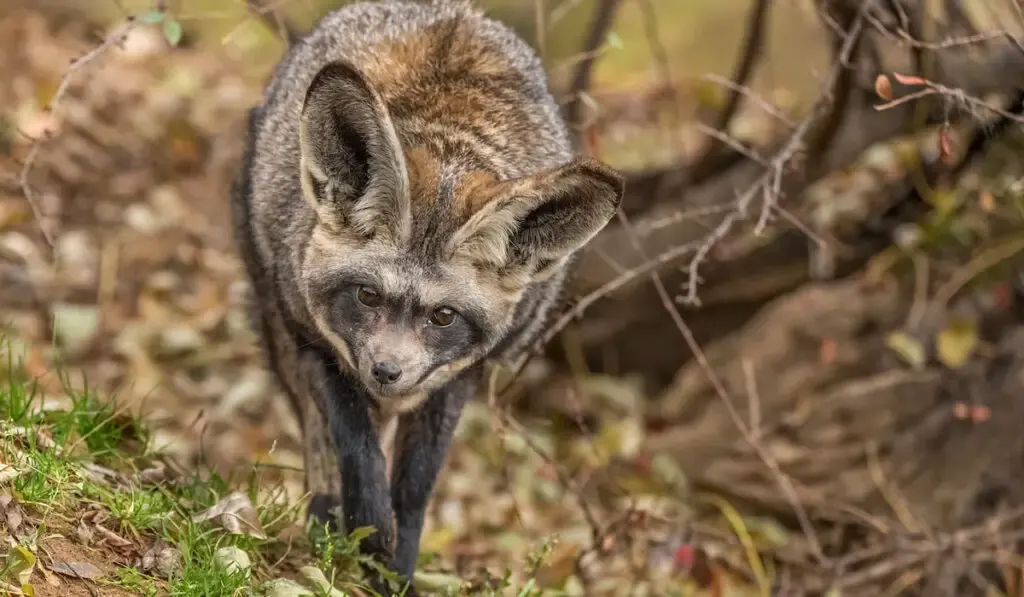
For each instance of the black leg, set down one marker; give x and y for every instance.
(364, 488)
(420, 449)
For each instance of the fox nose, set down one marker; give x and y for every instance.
(386, 372)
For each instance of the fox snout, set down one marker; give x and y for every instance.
(386, 372)
(393, 362)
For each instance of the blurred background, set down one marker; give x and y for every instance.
(798, 350)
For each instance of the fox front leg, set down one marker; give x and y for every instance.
(364, 487)
(420, 447)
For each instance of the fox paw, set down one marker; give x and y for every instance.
(324, 509)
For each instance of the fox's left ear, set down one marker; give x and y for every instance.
(538, 221)
(352, 166)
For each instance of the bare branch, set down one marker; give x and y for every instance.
(274, 20)
(753, 49)
(604, 16)
(115, 38)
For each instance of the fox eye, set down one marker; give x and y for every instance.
(368, 296)
(442, 317)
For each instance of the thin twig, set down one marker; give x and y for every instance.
(604, 17)
(115, 38)
(769, 184)
(274, 20)
(753, 49)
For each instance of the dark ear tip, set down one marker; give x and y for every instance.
(604, 174)
(337, 71)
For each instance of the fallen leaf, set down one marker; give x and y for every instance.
(8, 473)
(909, 79)
(828, 352)
(282, 587)
(236, 514)
(20, 563)
(981, 413)
(946, 145)
(11, 513)
(83, 533)
(436, 582)
(77, 570)
(908, 348)
(232, 559)
(168, 562)
(14, 212)
(956, 342)
(316, 577)
(111, 538)
(987, 202)
(883, 87)
(75, 325)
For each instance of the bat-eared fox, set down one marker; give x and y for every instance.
(408, 208)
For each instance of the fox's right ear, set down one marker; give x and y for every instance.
(352, 165)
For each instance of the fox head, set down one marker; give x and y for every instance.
(420, 253)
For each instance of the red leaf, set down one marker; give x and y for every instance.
(909, 79)
(685, 557)
(883, 87)
(945, 145)
(828, 352)
(1003, 296)
(642, 462)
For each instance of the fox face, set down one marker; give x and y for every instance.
(420, 253)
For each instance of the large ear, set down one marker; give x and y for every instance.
(537, 221)
(353, 168)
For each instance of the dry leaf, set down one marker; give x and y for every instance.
(909, 79)
(282, 587)
(883, 87)
(946, 145)
(236, 514)
(111, 538)
(19, 565)
(828, 352)
(987, 202)
(956, 343)
(8, 473)
(77, 570)
(11, 513)
(232, 559)
(908, 348)
(436, 582)
(315, 577)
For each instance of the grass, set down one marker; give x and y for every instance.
(76, 480)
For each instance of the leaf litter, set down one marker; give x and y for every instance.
(146, 300)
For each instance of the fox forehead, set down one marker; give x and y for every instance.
(453, 188)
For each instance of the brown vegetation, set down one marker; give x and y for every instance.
(824, 318)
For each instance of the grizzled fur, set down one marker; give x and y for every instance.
(408, 195)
